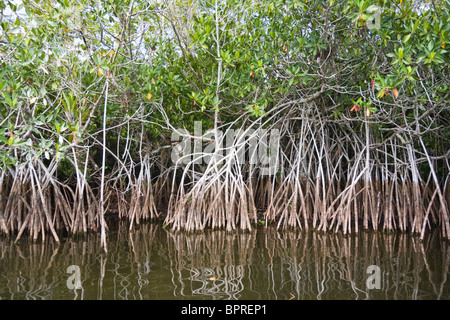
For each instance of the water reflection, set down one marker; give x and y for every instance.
(152, 263)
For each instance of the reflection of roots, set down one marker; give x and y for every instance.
(219, 282)
(214, 262)
(262, 264)
(307, 265)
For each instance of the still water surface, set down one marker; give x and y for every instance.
(152, 263)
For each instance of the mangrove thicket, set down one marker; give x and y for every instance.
(226, 114)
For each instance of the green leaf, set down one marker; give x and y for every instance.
(407, 37)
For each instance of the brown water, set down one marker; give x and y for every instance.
(152, 263)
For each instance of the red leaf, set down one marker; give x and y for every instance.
(395, 93)
(355, 108)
